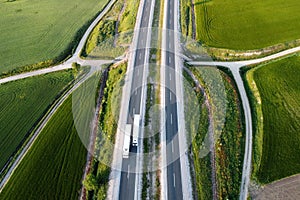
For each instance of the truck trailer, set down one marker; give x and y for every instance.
(126, 144)
(136, 128)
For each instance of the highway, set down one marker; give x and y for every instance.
(173, 182)
(129, 165)
(173, 168)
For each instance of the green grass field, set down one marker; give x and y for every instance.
(22, 104)
(53, 167)
(279, 141)
(36, 31)
(246, 24)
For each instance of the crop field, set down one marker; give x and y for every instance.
(279, 139)
(246, 24)
(22, 104)
(36, 31)
(55, 162)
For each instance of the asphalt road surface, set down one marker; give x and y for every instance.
(128, 175)
(174, 186)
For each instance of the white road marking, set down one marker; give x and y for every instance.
(172, 146)
(128, 172)
(170, 77)
(170, 96)
(174, 179)
(169, 59)
(171, 118)
(140, 56)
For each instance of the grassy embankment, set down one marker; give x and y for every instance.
(42, 32)
(22, 104)
(96, 181)
(275, 97)
(53, 166)
(102, 42)
(229, 145)
(197, 127)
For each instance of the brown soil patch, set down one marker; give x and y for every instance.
(287, 189)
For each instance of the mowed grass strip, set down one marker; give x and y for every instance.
(246, 24)
(36, 31)
(278, 84)
(22, 104)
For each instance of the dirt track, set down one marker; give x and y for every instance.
(285, 189)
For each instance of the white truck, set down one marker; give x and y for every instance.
(126, 144)
(136, 128)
